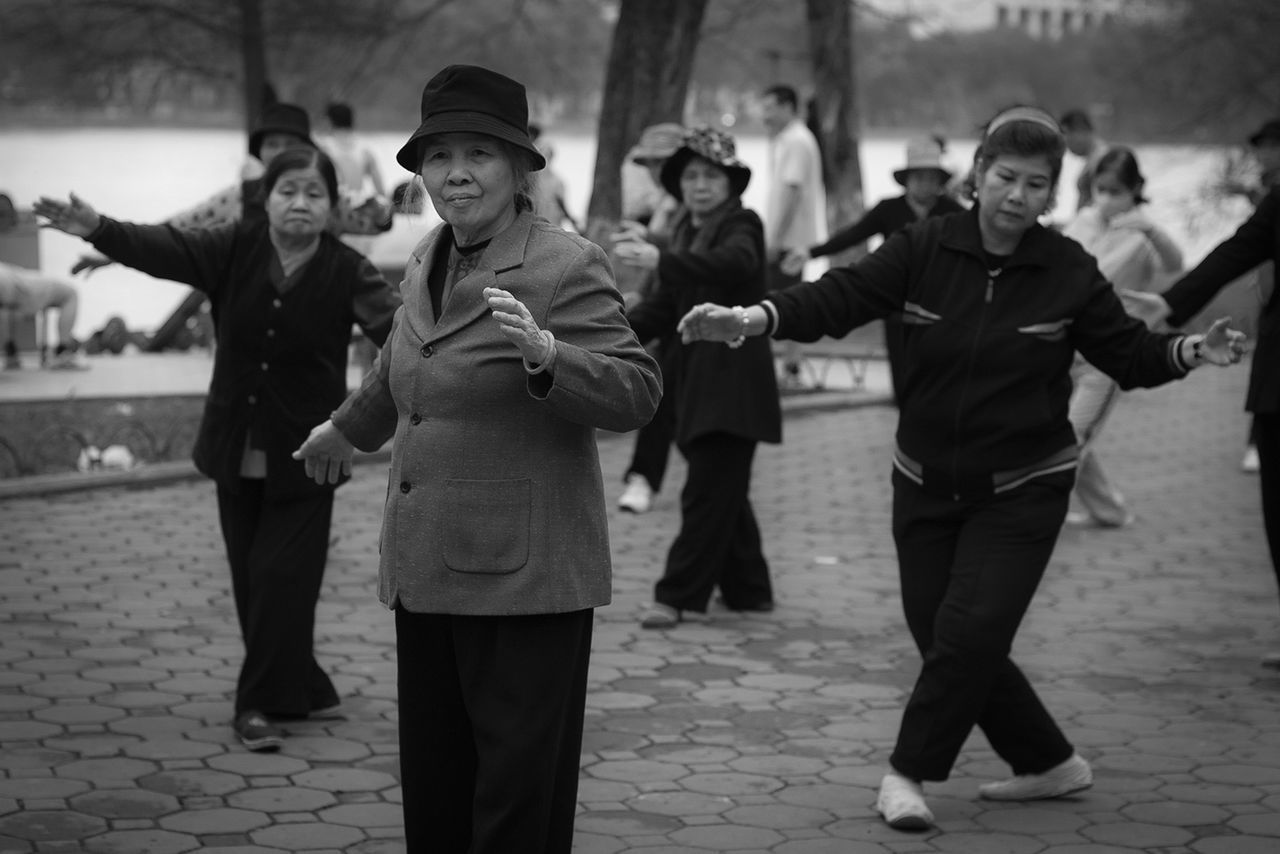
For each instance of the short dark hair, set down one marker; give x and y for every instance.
(1076, 120)
(1122, 163)
(340, 115)
(1032, 136)
(784, 95)
(301, 158)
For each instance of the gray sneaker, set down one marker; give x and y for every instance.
(257, 733)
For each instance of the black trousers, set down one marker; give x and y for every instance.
(969, 569)
(719, 540)
(277, 551)
(1267, 436)
(653, 444)
(491, 712)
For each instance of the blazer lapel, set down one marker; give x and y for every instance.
(466, 302)
(417, 302)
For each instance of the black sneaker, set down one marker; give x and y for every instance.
(257, 733)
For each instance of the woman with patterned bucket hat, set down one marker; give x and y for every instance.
(726, 399)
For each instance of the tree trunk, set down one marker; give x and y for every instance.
(831, 24)
(647, 79)
(253, 56)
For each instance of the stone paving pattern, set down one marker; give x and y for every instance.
(746, 734)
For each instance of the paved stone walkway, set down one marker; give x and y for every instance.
(764, 734)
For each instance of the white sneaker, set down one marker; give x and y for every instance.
(901, 803)
(1074, 775)
(659, 616)
(1250, 463)
(638, 496)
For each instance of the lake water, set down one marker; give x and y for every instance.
(145, 175)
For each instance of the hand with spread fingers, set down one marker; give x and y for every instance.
(76, 216)
(710, 322)
(537, 346)
(326, 454)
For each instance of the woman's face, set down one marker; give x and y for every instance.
(274, 143)
(704, 186)
(471, 183)
(299, 204)
(923, 185)
(1111, 197)
(1012, 194)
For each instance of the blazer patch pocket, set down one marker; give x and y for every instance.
(486, 528)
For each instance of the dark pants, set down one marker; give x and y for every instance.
(719, 540)
(491, 712)
(1267, 435)
(968, 570)
(653, 443)
(277, 551)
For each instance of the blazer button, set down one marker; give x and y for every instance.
(253, 398)
(415, 419)
(427, 350)
(404, 486)
(275, 303)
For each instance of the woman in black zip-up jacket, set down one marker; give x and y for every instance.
(284, 295)
(995, 306)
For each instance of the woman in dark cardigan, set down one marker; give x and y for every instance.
(285, 294)
(726, 400)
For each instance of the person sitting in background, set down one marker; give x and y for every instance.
(27, 293)
(925, 180)
(1132, 253)
(282, 127)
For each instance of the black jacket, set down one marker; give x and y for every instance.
(887, 217)
(987, 354)
(1257, 240)
(280, 367)
(715, 388)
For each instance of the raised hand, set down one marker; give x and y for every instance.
(73, 217)
(517, 324)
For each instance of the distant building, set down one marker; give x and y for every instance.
(1040, 18)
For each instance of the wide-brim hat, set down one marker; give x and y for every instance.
(281, 118)
(1269, 131)
(709, 144)
(923, 155)
(471, 99)
(657, 142)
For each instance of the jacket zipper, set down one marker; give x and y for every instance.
(968, 377)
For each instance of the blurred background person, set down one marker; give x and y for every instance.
(725, 398)
(285, 295)
(1134, 254)
(644, 475)
(30, 293)
(1082, 141)
(796, 208)
(925, 180)
(549, 187)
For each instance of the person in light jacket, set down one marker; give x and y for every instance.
(511, 349)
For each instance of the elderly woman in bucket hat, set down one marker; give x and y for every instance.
(726, 399)
(511, 349)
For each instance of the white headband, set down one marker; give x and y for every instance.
(1034, 115)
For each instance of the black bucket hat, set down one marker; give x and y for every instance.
(709, 144)
(281, 118)
(471, 99)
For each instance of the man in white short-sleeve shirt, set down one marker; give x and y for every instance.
(796, 207)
